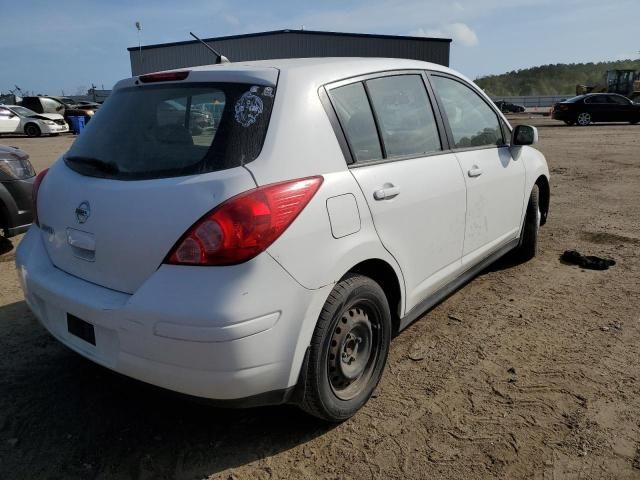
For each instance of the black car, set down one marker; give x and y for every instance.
(596, 107)
(16, 184)
(507, 107)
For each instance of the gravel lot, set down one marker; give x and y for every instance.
(530, 371)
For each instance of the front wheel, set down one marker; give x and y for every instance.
(32, 130)
(584, 119)
(528, 247)
(348, 350)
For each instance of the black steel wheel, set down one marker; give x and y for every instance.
(348, 350)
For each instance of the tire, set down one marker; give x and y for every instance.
(348, 350)
(584, 119)
(32, 130)
(528, 247)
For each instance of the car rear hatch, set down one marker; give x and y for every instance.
(141, 174)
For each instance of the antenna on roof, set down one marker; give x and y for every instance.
(219, 57)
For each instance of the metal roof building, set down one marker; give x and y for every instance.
(287, 44)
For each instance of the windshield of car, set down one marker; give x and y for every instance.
(23, 112)
(157, 131)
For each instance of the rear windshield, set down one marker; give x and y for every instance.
(157, 131)
(574, 99)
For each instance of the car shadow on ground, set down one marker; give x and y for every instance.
(63, 416)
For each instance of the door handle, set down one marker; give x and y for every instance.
(387, 192)
(475, 171)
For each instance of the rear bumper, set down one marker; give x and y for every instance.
(565, 116)
(220, 333)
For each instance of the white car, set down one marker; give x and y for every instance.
(272, 260)
(16, 119)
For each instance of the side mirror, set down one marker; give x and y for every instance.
(524, 135)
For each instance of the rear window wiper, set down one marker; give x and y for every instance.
(95, 163)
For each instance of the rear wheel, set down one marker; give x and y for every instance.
(348, 350)
(32, 130)
(584, 119)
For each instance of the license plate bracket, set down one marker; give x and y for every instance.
(81, 329)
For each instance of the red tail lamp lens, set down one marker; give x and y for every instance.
(245, 225)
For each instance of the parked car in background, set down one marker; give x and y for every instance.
(15, 119)
(584, 110)
(507, 107)
(43, 104)
(16, 185)
(272, 259)
(172, 112)
(86, 103)
(78, 104)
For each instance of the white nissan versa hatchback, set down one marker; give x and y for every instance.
(271, 256)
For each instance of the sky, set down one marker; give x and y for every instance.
(65, 46)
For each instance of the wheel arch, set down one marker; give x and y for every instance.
(26, 125)
(384, 275)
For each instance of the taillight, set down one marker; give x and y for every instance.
(36, 186)
(245, 225)
(164, 76)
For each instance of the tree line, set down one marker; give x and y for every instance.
(558, 79)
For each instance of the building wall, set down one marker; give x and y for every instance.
(286, 45)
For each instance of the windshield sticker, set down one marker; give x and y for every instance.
(267, 92)
(248, 108)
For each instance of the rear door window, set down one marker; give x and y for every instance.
(353, 110)
(405, 116)
(169, 130)
(617, 100)
(473, 123)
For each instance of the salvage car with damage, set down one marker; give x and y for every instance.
(272, 259)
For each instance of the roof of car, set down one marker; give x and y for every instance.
(327, 69)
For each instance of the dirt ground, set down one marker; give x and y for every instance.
(530, 371)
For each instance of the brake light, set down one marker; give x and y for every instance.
(245, 225)
(563, 107)
(164, 76)
(36, 186)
